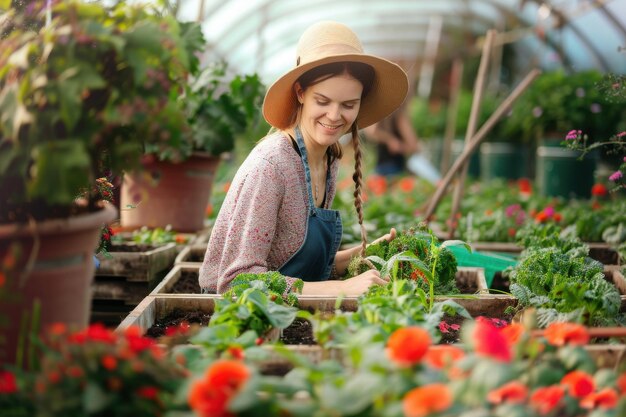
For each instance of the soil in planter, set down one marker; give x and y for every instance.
(299, 333)
(605, 256)
(174, 319)
(187, 283)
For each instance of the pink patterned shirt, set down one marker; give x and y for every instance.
(262, 222)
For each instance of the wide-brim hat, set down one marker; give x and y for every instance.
(324, 43)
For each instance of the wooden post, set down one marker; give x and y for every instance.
(476, 140)
(453, 110)
(471, 125)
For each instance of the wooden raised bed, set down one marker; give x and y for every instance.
(191, 254)
(156, 307)
(601, 252)
(137, 262)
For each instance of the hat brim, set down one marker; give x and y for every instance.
(387, 93)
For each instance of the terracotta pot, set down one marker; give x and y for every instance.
(169, 194)
(50, 264)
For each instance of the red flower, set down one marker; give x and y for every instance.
(8, 384)
(408, 345)
(513, 392)
(109, 362)
(425, 400)
(490, 342)
(210, 396)
(605, 398)
(136, 342)
(599, 190)
(149, 392)
(579, 383)
(439, 356)
(236, 352)
(525, 186)
(560, 334)
(546, 399)
(96, 332)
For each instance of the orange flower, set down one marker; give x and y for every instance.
(621, 383)
(513, 332)
(209, 210)
(605, 399)
(546, 399)
(408, 345)
(513, 392)
(226, 186)
(440, 356)
(180, 239)
(210, 396)
(109, 362)
(406, 184)
(422, 401)
(579, 383)
(560, 334)
(57, 329)
(377, 184)
(490, 342)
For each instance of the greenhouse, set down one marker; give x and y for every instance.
(399, 208)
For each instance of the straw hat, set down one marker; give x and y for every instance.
(326, 42)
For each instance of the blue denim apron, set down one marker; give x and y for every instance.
(315, 258)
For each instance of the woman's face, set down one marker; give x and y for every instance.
(329, 108)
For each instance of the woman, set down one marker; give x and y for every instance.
(276, 215)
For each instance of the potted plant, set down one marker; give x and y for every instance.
(79, 93)
(553, 105)
(218, 108)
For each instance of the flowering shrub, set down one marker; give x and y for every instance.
(498, 371)
(96, 372)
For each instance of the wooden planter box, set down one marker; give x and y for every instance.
(192, 254)
(137, 262)
(601, 252)
(182, 276)
(156, 307)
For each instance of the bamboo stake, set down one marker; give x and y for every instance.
(476, 140)
(453, 110)
(479, 88)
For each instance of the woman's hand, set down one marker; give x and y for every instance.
(388, 237)
(356, 286)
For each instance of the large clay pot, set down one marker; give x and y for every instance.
(48, 269)
(169, 194)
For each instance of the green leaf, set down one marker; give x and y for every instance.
(95, 399)
(62, 169)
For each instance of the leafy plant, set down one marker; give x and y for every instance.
(220, 107)
(564, 285)
(275, 283)
(80, 96)
(415, 254)
(252, 307)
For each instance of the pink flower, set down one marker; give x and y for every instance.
(616, 176)
(573, 134)
(621, 135)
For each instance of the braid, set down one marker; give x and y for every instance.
(358, 183)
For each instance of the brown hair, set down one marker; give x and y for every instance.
(365, 75)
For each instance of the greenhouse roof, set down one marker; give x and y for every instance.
(261, 35)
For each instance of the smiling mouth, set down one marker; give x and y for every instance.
(330, 126)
